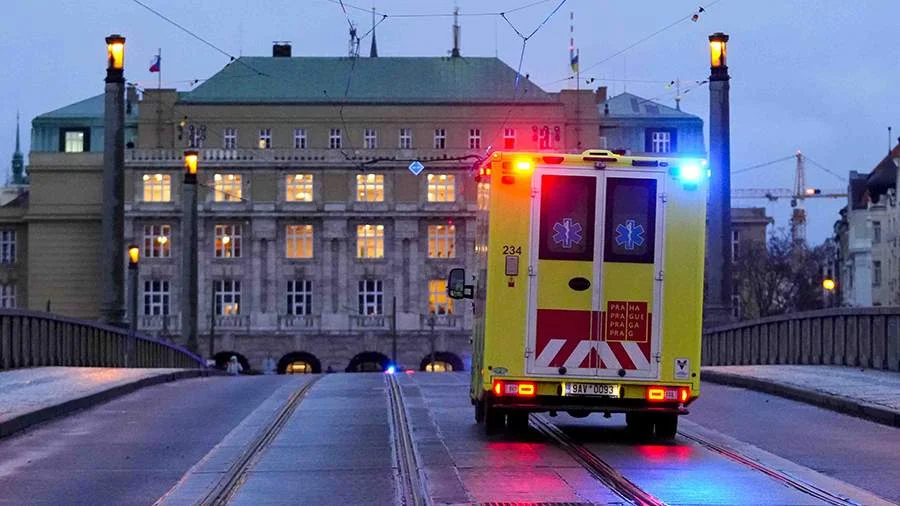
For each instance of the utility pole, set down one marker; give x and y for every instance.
(112, 235)
(394, 330)
(718, 246)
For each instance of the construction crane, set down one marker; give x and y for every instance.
(797, 194)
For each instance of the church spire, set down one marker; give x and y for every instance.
(373, 52)
(18, 161)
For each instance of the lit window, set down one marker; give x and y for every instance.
(441, 241)
(484, 196)
(156, 297)
(371, 297)
(265, 138)
(370, 138)
(334, 138)
(229, 138)
(7, 295)
(370, 187)
(441, 188)
(299, 297)
(227, 187)
(7, 246)
(440, 138)
(299, 239)
(370, 241)
(75, 140)
(157, 188)
(300, 138)
(438, 302)
(228, 297)
(660, 141)
(406, 138)
(474, 138)
(228, 241)
(299, 188)
(509, 138)
(157, 241)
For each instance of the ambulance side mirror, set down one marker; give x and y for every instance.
(456, 285)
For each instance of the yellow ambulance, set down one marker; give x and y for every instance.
(588, 292)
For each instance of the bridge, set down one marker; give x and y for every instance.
(409, 438)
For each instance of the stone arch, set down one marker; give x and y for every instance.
(447, 357)
(368, 361)
(299, 356)
(223, 357)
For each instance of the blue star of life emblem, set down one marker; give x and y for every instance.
(629, 235)
(567, 233)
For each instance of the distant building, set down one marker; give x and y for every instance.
(868, 237)
(13, 232)
(638, 125)
(748, 229)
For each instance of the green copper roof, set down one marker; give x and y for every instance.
(87, 108)
(366, 80)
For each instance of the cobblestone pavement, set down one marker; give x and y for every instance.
(25, 390)
(881, 388)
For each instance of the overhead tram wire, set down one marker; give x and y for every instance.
(765, 164)
(346, 5)
(638, 42)
(201, 39)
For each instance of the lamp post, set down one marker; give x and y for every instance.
(189, 289)
(134, 256)
(718, 246)
(112, 208)
(829, 285)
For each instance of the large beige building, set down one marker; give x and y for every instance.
(313, 230)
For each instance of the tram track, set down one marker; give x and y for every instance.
(234, 478)
(412, 484)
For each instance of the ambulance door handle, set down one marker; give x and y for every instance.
(579, 284)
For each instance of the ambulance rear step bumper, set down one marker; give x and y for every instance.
(551, 403)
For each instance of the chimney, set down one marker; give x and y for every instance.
(281, 49)
(600, 95)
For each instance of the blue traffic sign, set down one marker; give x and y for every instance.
(416, 167)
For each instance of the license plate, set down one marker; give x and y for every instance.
(594, 389)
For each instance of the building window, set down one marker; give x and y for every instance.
(228, 297)
(229, 138)
(660, 141)
(876, 273)
(156, 297)
(371, 297)
(484, 196)
(228, 241)
(157, 241)
(509, 138)
(299, 187)
(75, 140)
(735, 245)
(157, 188)
(370, 138)
(876, 232)
(438, 302)
(227, 187)
(406, 138)
(265, 138)
(299, 239)
(370, 188)
(7, 246)
(370, 241)
(300, 138)
(474, 138)
(441, 188)
(334, 138)
(7, 296)
(440, 138)
(299, 297)
(441, 241)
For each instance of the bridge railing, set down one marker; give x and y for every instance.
(34, 339)
(860, 337)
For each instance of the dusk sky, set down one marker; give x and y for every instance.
(818, 76)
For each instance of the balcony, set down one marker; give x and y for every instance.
(264, 157)
(442, 321)
(168, 323)
(299, 322)
(369, 321)
(232, 321)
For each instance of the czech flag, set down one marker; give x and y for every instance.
(154, 64)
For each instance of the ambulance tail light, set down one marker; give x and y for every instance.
(668, 394)
(514, 388)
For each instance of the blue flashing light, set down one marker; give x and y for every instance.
(390, 370)
(690, 172)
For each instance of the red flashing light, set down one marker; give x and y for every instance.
(656, 394)
(555, 160)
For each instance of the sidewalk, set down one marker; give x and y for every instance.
(866, 393)
(34, 395)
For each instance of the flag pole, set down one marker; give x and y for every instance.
(159, 74)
